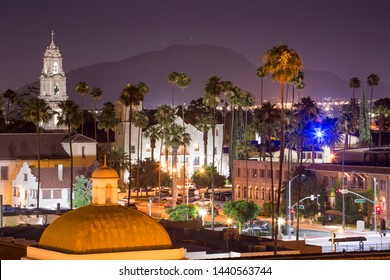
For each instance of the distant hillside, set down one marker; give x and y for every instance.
(199, 63)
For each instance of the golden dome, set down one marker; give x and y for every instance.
(104, 229)
(104, 173)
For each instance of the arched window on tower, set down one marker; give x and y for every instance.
(55, 68)
(56, 90)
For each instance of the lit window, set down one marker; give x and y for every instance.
(196, 147)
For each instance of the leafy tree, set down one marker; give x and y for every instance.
(182, 212)
(349, 119)
(202, 178)
(241, 211)
(82, 191)
(148, 174)
(382, 116)
(10, 95)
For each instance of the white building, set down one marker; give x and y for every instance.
(194, 154)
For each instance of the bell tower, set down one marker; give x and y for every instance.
(53, 82)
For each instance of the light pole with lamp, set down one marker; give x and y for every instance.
(289, 204)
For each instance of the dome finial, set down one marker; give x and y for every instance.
(105, 160)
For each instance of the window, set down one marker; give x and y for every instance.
(262, 194)
(254, 173)
(25, 177)
(382, 184)
(244, 192)
(4, 173)
(269, 173)
(257, 193)
(46, 194)
(83, 151)
(57, 194)
(319, 155)
(238, 172)
(262, 173)
(132, 149)
(55, 67)
(250, 193)
(196, 147)
(332, 180)
(148, 149)
(239, 192)
(196, 161)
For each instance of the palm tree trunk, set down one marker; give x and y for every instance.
(281, 158)
(205, 143)
(39, 166)
(129, 188)
(71, 167)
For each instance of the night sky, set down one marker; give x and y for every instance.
(349, 37)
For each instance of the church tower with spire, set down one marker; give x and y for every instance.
(53, 82)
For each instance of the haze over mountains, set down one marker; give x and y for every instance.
(199, 63)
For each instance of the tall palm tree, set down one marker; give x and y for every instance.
(172, 78)
(82, 88)
(213, 89)
(297, 84)
(261, 74)
(107, 121)
(70, 117)
(153, 132)
(132, 95)
(349, 119)
(141, 121)
(96, 93)
(37, 111)
(182, 82)
(372, 81)
(283, 64)
(204, 124)
(177, 137)
(267, 120)
(11, 97)
(165, 116)
(354, 83)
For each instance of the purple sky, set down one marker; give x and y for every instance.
(347, 37)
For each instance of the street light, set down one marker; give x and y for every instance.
(289, 205)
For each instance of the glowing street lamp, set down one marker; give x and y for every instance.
(289, 205)
(203, 213)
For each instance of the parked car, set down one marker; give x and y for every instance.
(263, 224)
(216, 212)
(283, 229)
(123, 201)
(203, 202)
(7, 208)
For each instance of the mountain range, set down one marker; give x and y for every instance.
(199, 63)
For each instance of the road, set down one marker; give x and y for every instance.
(313, 234)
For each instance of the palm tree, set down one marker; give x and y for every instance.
(349, 119)
(141, 121)
(372, 81)
(96, 94)
(261, 74)
(213, 89)
(203, 124)
(11, 96)
(165, 116)
(132, 95)
(37, 111)
(107, 120)
(153, 133)
(332, 133)
(177, 137)
(354, 83)
(172, 78)
(267, 120)
(82, 88)
(297, 84)
(71, 117)
(283, 64)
